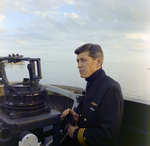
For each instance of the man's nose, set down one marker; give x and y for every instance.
(79, 64)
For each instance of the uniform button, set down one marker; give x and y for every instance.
(80, 115)
(85, 120)
(84, 138)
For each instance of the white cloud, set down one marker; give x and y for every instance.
(128, 15)
(72, 15)
(33, 5)
(119, 26)
(1, 17)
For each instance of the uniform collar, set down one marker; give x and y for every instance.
(94, 75)
(91, 78)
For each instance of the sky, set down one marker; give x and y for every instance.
(53, 29)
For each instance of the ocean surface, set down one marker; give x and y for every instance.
(134, 79)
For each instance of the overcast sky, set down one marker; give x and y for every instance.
(52, 29)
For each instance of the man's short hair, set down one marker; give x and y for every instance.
(95, 51)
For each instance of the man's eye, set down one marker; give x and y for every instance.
(83, 60)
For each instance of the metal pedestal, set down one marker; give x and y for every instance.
(12, 128)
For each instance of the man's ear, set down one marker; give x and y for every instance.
(99, 62)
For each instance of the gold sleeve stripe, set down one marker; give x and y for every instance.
(80, 136)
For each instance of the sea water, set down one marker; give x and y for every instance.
(134, 79)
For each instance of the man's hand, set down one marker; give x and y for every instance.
(71, 130)
(69, 111)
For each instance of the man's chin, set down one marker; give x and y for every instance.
(82, 76)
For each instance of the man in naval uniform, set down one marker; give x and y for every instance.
(99, 115)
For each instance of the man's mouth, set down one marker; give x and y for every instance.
(81, 71)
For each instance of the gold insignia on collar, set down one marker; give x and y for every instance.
(93, 103)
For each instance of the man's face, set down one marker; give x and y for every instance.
(87, 65)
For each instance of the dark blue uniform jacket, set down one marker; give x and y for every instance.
(100, 112)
